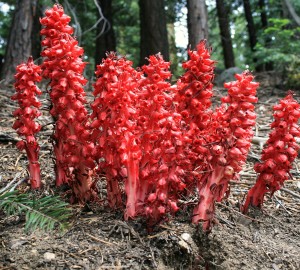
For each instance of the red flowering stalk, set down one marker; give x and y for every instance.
(115, 116)
(63, 65)
(194, 88)
(193, 101)
(278, 155)
(229, 136)
(161, 143)
(26, 77)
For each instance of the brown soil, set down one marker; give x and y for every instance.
(100, 239)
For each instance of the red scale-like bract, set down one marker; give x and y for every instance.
(63, 65)
(194, 88)
(26, 77)
(114, 122)
(193, 101)
(278, 155)
(228, 140)
(161, 140)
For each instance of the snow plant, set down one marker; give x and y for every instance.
(154, 142)
(278, 155)
(228, 139)
(26, 90)
(63, 66)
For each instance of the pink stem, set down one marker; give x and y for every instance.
(131, 187)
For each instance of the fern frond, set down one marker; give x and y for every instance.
(45, 213)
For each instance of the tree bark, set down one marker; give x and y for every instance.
(251, 31)
(197, 21)
(250, 24)
(223, 11)
(154, 37)
(106, 40)
(292, 12)
(263, 14)
(264, 23)
(18, 47)
(37, 12)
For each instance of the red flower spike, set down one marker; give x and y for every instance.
(26, 90)
(161, 143)
(194, 88)
(192, 98)
(280, 151)
(63, 65)
(230, 130)
(114, 110)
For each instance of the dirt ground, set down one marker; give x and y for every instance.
(100, 239)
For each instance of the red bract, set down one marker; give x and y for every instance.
(228, 139)
(192, 99)
(194, 88)
(161, 143)
(26, 77)
(114, 120)
(63, 65)
(278, 155)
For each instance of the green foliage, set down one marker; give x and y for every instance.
(282, 48)
(5, 22)
(45, 213)
(127, 28)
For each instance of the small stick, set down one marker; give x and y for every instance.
(11, 183)
(291, 192)
(99, 240)
(17, 161)
(19, 182)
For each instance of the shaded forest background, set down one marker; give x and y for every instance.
(261, 35)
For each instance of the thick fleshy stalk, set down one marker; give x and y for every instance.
(229, 138)
(278, 155)
(26, 77)
(64, 67)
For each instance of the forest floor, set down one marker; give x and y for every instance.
(100, 239)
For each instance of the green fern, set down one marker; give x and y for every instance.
(45, 213)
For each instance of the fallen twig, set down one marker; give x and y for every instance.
(291, 192)
(100, 240)
(11, 182)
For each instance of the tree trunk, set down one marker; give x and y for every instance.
(18, 47)
(251, 31)
(36, 47)
(263, 14)
(197, 21)
(223, 11)
(264, 23)
(292, 12)
(154, 37)
(106, 40)
(250, 24)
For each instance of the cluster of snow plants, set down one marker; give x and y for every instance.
(156, 143)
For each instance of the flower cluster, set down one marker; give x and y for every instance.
(228, 139)
(192, 99)
(63, 65)
(278, 155)
(114, 122)
(161, 140)
(194, 88)
(154, 141)
(26, 77)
